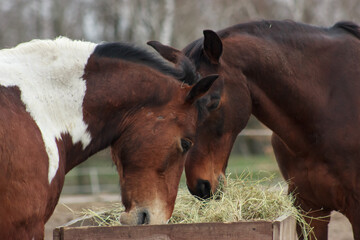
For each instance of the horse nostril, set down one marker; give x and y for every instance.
(203, 189)
(143, 217)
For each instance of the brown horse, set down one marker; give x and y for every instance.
(301, 81)
(62, 101)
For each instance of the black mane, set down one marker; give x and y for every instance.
(128, 52)
(195, 50)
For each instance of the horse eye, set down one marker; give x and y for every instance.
(185, 145)
(213, 105)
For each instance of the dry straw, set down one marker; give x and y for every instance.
(242, 199)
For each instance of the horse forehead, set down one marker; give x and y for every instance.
(182, 118)
(169, 115)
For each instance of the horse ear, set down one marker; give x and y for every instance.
(200, 88)
(212, 46)
(169, 53)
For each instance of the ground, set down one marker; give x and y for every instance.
(340, 228)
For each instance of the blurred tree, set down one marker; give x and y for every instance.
(175, 22)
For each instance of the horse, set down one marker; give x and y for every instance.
(302, 82)
(64, 100)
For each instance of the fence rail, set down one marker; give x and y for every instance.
(93, 176)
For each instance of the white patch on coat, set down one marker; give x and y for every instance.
(157, 210)
(49, 76)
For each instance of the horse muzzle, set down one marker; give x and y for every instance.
(136, 217)
(205, 189)
(141, 216)
(202, 189)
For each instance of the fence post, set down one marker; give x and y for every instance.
(94, 180)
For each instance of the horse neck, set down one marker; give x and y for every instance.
(285, 87)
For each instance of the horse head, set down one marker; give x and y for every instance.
(151, 150)
(207, 160)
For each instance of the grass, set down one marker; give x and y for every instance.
(260, 166)
(253, 163)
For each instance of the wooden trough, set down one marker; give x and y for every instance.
(282, 228)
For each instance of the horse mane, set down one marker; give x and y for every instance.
(289, 25)
(128, 52)
(195, 49)
(350, 27)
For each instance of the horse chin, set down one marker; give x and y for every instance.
(143, 216)
(128, 218)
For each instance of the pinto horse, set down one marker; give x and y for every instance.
(63, 100)
(301, 81)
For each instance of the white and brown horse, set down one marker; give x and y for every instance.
(62, 101)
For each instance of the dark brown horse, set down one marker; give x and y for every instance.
(62, 101)
(301, 81)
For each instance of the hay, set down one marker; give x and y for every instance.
(242, 199)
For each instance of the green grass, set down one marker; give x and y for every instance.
(258, 165)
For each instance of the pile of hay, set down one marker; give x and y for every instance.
(242, 199)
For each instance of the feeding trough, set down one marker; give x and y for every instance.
(246, 209)
(282, 228)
